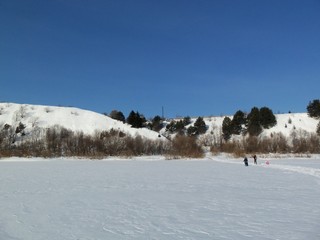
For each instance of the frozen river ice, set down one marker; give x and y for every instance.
(187, 199)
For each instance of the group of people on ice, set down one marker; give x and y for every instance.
(246, 163)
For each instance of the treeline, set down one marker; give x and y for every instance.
(298, 143)
(238, 135)
(246, 129)
(242, 123)
(251, 124)
(137, 120)
(61, 142)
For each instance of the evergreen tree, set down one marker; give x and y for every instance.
(192, 131)
(176, 127)
(226, 128)
(136, 120)
(199, 127)
(180, 128)
(117, 115)
(239, 119)
(170, 127)
(131, 119)
(318, 129)
(142, 120)
(267, 118)
(156, 123)
(313, 109)
(186, 121)
(254, 127)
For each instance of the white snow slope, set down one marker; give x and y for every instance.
(287, 124)
(88, 122)
(215, 198)
(74, 119)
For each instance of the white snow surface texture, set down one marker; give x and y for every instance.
(153, 198)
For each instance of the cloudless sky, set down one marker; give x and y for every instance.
(193, 58)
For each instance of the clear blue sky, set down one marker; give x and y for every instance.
(194, 58)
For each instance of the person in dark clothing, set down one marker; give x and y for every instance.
(246, 161)
(255, 159)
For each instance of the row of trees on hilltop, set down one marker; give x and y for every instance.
(252, 123)
(181, 127)
(241, 123)
(137, 120)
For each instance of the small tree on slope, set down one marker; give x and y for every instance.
(267, 118)
(254, 126)
(117, 115)
(313, 109)
(237, 121)
(226, 128)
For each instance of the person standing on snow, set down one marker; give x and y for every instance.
(255, 159)
(246, 161)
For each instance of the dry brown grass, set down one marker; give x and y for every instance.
(186, 146)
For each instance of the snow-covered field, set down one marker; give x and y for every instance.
(216, 198)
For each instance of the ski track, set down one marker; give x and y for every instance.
(314, 172)
(303, 170)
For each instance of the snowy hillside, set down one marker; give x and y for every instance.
(88, 122)
(293, 122)
(286, 124)
(74, 119)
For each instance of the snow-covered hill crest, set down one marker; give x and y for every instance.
(287, 123)
(74, 119)
(89, 122)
